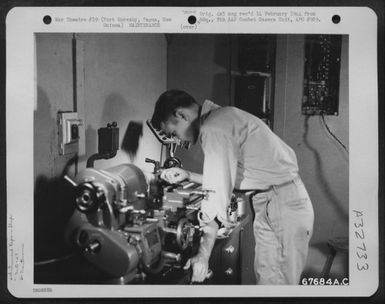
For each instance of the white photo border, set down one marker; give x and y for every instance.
(360, 23)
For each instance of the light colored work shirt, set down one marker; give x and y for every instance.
(240, 152)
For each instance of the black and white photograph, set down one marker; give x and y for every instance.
(199, 158)
(248, 134)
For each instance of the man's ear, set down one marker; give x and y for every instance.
(181, 114)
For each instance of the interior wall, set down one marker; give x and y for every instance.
(123, 77)
(54, 94)
(198, 64)
(323, 163)
(119, 77)
(52, 201)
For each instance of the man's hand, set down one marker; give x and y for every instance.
(200, 268)
(174, 175)
(200, 262)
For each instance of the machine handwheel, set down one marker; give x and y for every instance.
(184, 233)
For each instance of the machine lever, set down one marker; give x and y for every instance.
(140, 195)
(155, 163)
(172, 256)
(204, 193)
(68, 179)
(93, 247)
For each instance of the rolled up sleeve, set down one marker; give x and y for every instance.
(219, 173)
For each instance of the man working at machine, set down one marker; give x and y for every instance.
(241, 152)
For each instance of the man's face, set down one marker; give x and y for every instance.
(179, 127)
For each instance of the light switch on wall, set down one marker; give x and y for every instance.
(69, 135)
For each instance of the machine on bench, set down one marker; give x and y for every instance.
(132, 229)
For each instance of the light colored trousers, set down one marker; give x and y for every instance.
(283, 226)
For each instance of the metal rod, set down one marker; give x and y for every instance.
(169, 230)
(68, 179)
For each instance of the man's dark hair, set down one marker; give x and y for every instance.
(168, 103)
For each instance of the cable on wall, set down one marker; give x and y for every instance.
(74, 87)
(59, 259)
(229, 70)
(331, 133)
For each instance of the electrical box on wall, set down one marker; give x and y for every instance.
(253, 95)
(322, 75)
(69, 135)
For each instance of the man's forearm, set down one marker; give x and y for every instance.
(208, 240)
(195, 177)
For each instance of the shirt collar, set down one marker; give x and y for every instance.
(207, 107)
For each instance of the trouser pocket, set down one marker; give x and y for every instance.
(267, 263)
